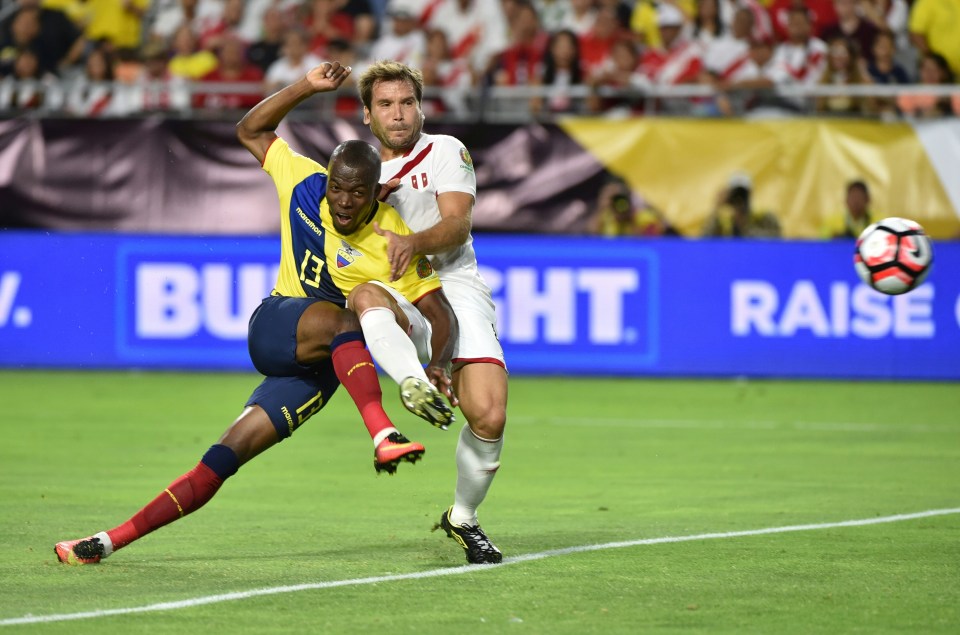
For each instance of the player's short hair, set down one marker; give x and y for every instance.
(388, 71)
(361, 155)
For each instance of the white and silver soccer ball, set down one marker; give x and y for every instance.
(893, 255)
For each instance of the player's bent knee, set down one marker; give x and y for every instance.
(488, 423)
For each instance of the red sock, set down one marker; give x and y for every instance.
(355, 370)
(188, 493)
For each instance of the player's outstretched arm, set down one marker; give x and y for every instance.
(257, 130)
(446, 330)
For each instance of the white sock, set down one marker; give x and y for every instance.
(477, 463)
(383, 434)
(106, 542)
(392, 349)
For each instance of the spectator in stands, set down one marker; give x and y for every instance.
(596, 43)
(623, 9)
(199, 15)
(294, 62)
(232, 67)
(856, 215)
(92, 94)
(762, 27)
(227, 26)
(885, 70)
(346, 103)
(155, 88)
(888, 15)
(707, 24)
(844, 68)
(619, 212)
(643, 21)
(934, 70)
(58, 45)
(325, 22)
(442, 72)
(725, 61)
(366, 26)
(802, 59)
(476, 31)
(729, 52)
(820, 14)
(580, 17)
(859, 32)
(22, 35)
(519, 63)
(679, 59)
(26, 85)
(119, 22)
(404, 41)
(189, 61)
(734, 216)
(620, 71)
(266, 50)
(935, 27)
(561, 72)
(552, 13)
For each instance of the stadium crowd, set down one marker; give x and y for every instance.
(117, 57)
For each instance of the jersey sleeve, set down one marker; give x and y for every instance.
(286, 167)
(453, 167)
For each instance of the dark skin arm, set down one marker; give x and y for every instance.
(446, 330)
(257, 130)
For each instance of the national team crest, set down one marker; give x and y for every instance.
(424, 269)
(346, 255)
(466, 159)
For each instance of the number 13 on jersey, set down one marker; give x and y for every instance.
(311, 265)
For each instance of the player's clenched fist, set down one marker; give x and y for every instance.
(328, 76)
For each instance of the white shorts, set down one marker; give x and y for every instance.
(477, 315)
(477, 318)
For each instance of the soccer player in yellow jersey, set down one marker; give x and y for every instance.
(307, 335)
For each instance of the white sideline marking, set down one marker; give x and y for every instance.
(435, 573)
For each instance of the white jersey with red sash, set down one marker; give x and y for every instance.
(799, 63)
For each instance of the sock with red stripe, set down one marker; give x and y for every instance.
(355, 370)
(187, 494)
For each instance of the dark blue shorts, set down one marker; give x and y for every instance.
(272, 336)
(291, 392)
(290, 401)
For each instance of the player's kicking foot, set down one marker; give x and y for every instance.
(475, 543)
(83, 551)
(392, 450)
(424, 400)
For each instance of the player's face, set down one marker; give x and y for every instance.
(351, 197)
(394, 116)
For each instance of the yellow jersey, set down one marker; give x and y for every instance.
(318, 262)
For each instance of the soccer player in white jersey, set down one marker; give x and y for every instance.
(435, 190)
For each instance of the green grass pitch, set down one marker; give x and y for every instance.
(586, 462)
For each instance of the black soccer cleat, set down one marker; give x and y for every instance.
(424, 400)
(392, 450)
(478, 548)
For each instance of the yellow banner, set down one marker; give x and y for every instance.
(799, 167)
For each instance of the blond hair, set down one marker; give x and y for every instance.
(388, 71)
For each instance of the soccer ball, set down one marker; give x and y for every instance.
(893, 255)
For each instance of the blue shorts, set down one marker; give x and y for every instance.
(290, 401)
(272, 336)
(291, 392)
